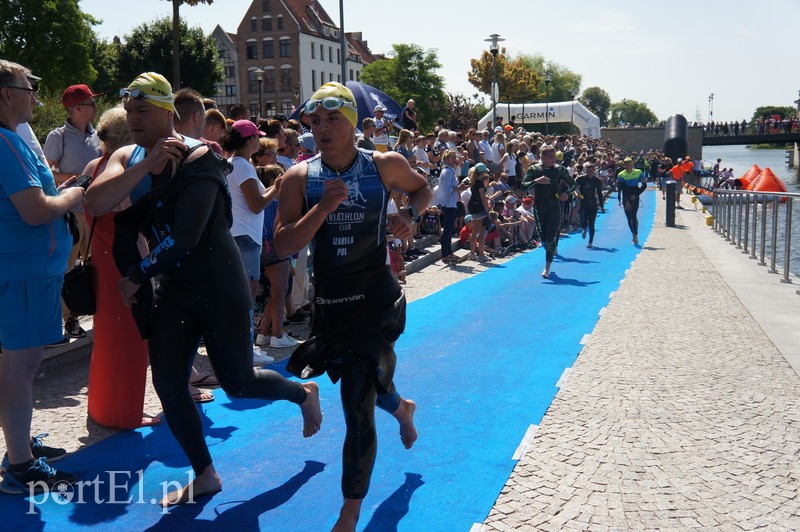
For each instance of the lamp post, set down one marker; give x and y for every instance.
(710, 107)
(494, 47)
(547, 80)
(298, 93)
(260, 79)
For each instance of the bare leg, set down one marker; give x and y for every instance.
(312, 413)
(17, 371)
(405, 417)
(348, 516)
(546, 271)
(207, 483)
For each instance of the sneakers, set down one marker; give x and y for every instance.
(482, 258)
(39, 450)
(472, 256)
(261, 358)
(39, 474)
(73, 329)
(283, 341)
(262, 340)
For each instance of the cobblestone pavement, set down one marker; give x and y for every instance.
(679, 413)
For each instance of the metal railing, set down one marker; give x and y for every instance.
(759, 223)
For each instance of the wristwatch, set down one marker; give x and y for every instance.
(412, 212)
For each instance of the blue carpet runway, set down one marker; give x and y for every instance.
(481, 358)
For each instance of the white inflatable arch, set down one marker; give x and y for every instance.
(539, 113)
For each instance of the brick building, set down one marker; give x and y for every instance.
(293, 47)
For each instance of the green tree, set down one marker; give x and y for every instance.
(176, 36)
(767, 111)
(148, 48)
(105, 59)
(459, 112)
(598, 101)
(563, 82)
(632, 113)
(51, 37)
(516, 82)
(409, 73)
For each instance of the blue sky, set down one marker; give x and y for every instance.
(669, 55)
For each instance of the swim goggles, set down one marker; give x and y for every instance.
(330, 103)
(141, 95)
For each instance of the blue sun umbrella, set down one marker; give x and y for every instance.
(367, 97)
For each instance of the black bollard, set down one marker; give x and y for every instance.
(671, 189)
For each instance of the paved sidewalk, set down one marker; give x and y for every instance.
(680, 412)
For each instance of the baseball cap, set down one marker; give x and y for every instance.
(75, 94)
(154, 88)
(378, 107)
(508, 127)
(560, 155)
(527, 201)
(498, 129)
(481, 168)
(306, 140)
(511, 199)
(246, 129)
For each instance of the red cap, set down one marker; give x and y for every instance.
(75, 94)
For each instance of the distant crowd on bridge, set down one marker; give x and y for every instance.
(762, 126)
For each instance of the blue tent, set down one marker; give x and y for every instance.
(367, 97)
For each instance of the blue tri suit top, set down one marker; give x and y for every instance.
(353, 237)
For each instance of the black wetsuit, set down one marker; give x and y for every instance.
(547, 206)
(359, 311)
(203, 292)
(631, 186)
(591, 191)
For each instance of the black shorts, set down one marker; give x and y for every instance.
(461, 211)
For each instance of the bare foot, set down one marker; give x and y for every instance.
(348, 516)
(635, 239)
(149, 421)
(545, 273)
(206, 484)
(312, 413)
(405, 416)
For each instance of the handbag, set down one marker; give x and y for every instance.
(78, 290)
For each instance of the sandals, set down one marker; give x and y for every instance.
(205, 381)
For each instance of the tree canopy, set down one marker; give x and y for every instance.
(515, 81)
(149, 48)
(767, 111)
(176, 35)
(631, 112)
(51, 37)
(597, 101)
(409, 73)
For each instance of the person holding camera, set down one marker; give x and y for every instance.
(383, 126)
(35, 242)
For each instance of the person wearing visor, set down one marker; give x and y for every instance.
(182, 204)
(339, 199)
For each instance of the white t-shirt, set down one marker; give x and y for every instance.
(245, 221)
(486, 148)
(381, 137)
(421, 157)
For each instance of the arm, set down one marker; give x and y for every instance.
(117, 181)
(37, 208)
(256, 201)
(599, 191)
(398, 175)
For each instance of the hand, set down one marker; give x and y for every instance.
(74, 195)
(400, 226)
(334, 193)
(277, 183)
(128, 290)
(67, 183)
(564, 196)
(166, 150)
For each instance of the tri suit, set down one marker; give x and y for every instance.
(631, 185)
(358, 311)
(591, 193)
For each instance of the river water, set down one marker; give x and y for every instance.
(741, 158)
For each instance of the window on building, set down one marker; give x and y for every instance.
(313, 54)
(265, 6)
(314, 80)
(338, 56)
(351, 74)
(330, 76)
(286, 47)
(254, 24)
(339, 78)
(252, 83)
(321, 52)
(287, 107)
(230, 90)
(358, 75)
(286, 79)
(253, 107)
(252, 50)
(266, 23)
(269, 48)
(330, 54)
(269, 80)
(280, 22)
(230, 71)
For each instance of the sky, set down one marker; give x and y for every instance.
(668, 55)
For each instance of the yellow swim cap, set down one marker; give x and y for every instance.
(154, 88)
(336, 91)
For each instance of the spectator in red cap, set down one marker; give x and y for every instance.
(68, 150)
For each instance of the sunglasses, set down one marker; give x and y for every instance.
(330, 103)
(31, 89)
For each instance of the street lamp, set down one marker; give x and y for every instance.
(494, 47)
(547, 105)
(260, 79)
(572, 94)
(710, 107)
(298, 93)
